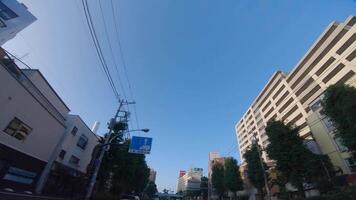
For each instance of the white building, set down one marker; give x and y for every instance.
(32, 121)
(190, 181)
(14, 17)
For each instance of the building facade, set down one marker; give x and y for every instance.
(30, 125)
(14, 17)
(190, 181)
(69, 172)
(290, 96)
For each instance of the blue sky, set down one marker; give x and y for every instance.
(194, 66)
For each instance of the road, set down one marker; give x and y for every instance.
(15, 196)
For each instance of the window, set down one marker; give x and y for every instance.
(20, 175)
(62, 154)
(315, 106)
(351, 163)
(340, 145)
(82, 142)
(18, 129)
(74, 130)
(329, 124)
(74, 160)
(6, 13)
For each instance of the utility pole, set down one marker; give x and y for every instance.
(105, 148)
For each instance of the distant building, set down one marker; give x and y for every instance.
(152, 176)
(214, 158)
(182, 173)
(14, 17)
(190, 181)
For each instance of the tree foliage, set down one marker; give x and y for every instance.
(339, 105)
(297, 164)
(204, 187)
(255, 171)
(122, 172)
(151, 189)
(217, 178)
(233, 180)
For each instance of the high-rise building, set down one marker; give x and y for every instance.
(293, 97)
(14, 17)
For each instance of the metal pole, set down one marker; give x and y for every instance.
(101, 156)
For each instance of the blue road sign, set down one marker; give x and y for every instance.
(140, 145)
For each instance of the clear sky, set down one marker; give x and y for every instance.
(194, 65)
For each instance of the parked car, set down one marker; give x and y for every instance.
(130, 197)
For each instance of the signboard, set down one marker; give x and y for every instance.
(140, 145)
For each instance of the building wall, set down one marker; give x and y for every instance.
(16, 101)
(287, 97)
(41, 83)
(28, 156)
(9, 28)
(71, 147)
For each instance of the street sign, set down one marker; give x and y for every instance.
(140, 145)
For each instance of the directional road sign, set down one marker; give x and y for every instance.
(140, 145)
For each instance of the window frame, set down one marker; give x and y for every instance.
(4, 9)
(74, 130)
(20, 131)
(84, 145)
(74, 160)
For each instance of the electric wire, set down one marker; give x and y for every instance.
(116, 26)
(98, 48)
(111, 49)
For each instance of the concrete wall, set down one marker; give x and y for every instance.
(41, 83)
(16, 101)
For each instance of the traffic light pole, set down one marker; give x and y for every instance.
(102, 153)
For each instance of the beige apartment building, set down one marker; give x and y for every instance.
(290, 96)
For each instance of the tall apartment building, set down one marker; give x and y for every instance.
(290, 96)
(14, 17)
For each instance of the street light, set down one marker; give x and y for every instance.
(254, 141)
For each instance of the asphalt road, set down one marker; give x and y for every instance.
(15, 196)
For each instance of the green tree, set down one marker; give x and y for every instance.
(296, 163)
(122, 172)
(233, 180)
(255, 171)
(217, 179)
(151, 189)
(204, 187)
(339, 104)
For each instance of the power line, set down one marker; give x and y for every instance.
(98, 48)
(116, 25)
(111, 49)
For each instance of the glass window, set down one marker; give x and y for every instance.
(340, 145)
(82, 142)
(74, 160)
(62, 154)
(18, 129)
(6, 13)
(74, 130)
(316, 106)
(351, 163)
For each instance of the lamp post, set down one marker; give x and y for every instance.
(254, 141)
